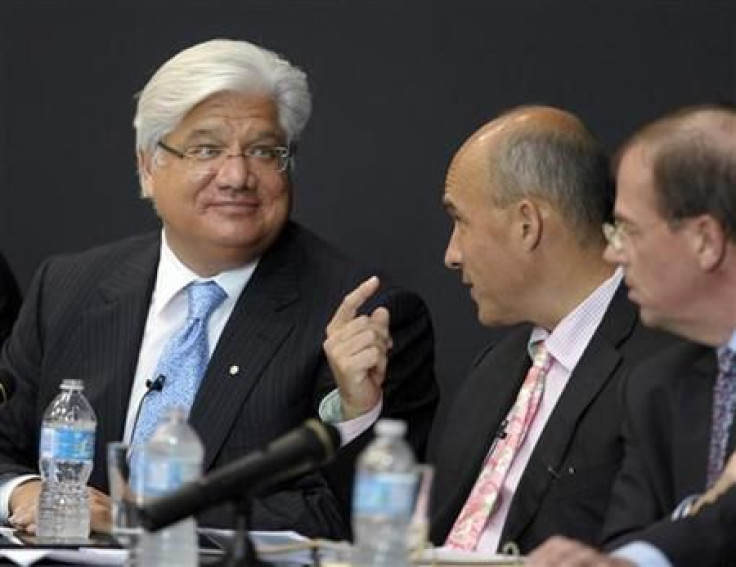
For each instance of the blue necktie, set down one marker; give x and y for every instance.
(724, 400)
(183, 362)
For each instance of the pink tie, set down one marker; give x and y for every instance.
(484, 497)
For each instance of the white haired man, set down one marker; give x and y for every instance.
(216, 126)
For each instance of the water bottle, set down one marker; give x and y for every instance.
(172, 457)
(383, 498)
(65, 460)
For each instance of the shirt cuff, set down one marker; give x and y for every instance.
(683, 508)
(6, 489)
(642, 554)
(330, 412)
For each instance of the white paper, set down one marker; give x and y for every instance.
(449, 556)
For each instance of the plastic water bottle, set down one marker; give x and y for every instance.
(383, 499)
(172, 457)
(65, 461)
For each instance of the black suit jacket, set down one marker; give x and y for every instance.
(10, 299)
(669, 403)
(705, 540)
(84, 318)
(566, 484)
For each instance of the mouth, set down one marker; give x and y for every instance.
(235, 206)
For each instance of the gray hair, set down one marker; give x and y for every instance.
(568, 169)
(212, 67)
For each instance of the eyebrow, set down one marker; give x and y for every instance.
(219, 133)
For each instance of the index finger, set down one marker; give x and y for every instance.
(354, 301)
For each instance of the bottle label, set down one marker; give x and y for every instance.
(385, 494)
(67, 443)
(162, 477)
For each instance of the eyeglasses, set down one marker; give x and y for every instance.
(260, 158)
(614, 233)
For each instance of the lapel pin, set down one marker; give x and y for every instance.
(234, 369)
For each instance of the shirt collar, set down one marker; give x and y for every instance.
(173, 276)
(569, 339)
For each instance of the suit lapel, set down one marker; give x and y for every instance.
(598, 363)
(110, 334)
(256, 329)
(485, 406)
(691, 431)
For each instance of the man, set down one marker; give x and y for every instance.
(675, 236)
(527, 194)
(216, 126)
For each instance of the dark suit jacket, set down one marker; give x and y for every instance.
(669, 403)
(84, 318)
(10, 299)
(705, 540)
(566, 484)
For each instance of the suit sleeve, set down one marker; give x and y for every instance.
(705, 539)
(21, 356)
(635, 498)
(410, 391)
(318, 504)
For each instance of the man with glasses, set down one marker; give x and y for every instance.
(675, 238)
(223, 312)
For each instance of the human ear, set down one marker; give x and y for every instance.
(708, 241)
(145, 167)
(529, 220)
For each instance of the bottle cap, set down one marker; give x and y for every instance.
(72, 384)
(390, 427)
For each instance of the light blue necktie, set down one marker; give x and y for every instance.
(183, 362)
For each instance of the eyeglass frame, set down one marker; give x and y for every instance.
(285, 154)
(614, 232)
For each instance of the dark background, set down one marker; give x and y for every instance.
(398, 85)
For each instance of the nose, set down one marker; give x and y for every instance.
(234, 174)
(453, 257)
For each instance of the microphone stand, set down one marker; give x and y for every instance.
(242, 552)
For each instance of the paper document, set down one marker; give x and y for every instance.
(446, 556)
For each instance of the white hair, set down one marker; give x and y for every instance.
(197, 73)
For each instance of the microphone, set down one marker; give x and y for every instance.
(7, 386)
(312, 444)
(155, 385)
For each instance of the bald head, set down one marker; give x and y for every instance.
(547, 153)
(691, 154)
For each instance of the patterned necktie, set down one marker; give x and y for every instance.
(183, 362)
(484, 498)
(724, 400)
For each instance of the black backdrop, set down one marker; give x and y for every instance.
(398, 85)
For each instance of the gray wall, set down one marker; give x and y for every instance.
(398, 86)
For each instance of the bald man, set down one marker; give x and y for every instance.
(531, 449)
(528, 194)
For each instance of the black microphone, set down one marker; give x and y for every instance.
(155, 385)
(7, 386)
(312, 444)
